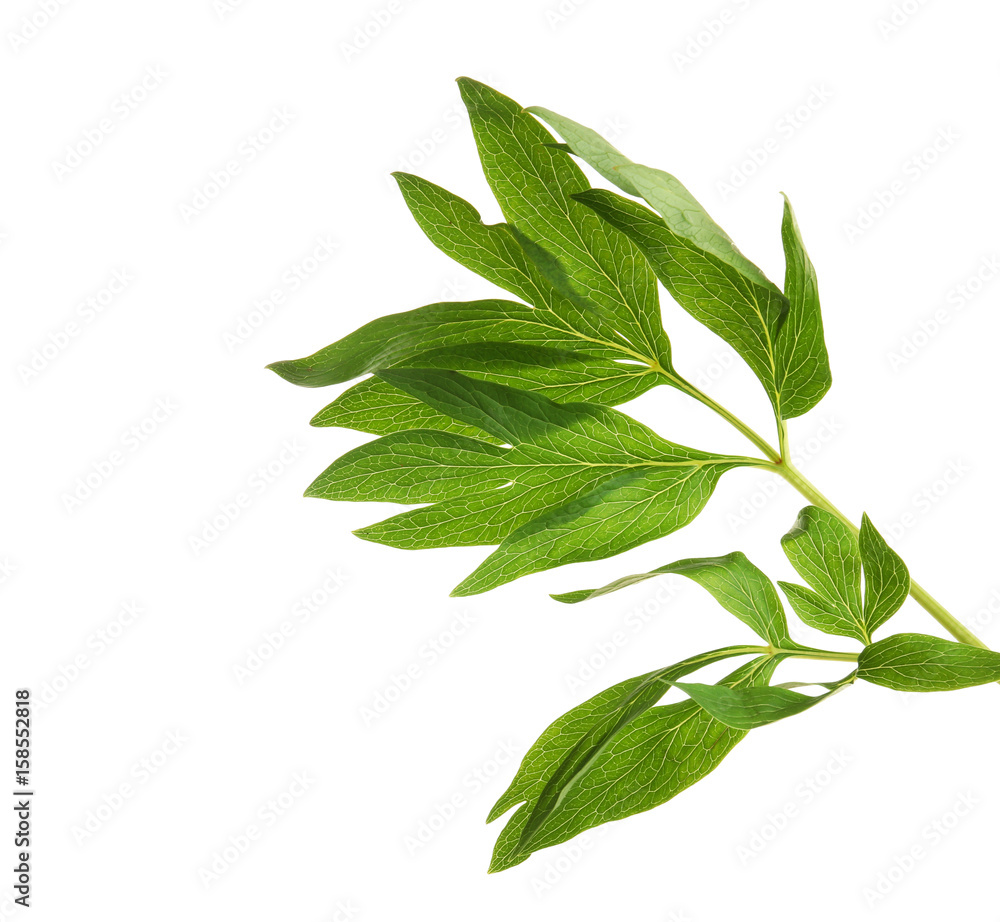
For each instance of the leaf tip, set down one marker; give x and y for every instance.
(568, 598)
(283, 369)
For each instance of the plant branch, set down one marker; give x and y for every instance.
(780, 462)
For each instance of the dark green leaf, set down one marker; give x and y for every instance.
(802, 370)
(616, 516)
(922, 663)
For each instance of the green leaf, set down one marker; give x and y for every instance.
(887, 580)
(387, 340)
(481, 493)
(616, 516)
(610, 362)
(803, 363)
(749, 708)
(571, 740)
(743, 312)
(643, 763)
(561, 375)
(741, 588)
(922, 663)
(379, 408)
(534, 185)
(375, 406)
(826, 554)
(683, 214)
(818, 611)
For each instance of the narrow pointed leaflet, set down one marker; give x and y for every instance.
(736, 584)
(752, 707)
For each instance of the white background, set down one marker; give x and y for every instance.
(694, 88)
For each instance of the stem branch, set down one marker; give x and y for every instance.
(779, 461)
(772, 453)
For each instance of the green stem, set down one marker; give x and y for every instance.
(783, 446)
(813, 653)
(840, 656)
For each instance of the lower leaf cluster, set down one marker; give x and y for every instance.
(621, 753)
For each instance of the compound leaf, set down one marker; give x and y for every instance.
(504, 255)
(551, 460)
(568, 745)
(801, 364)
(647, 760)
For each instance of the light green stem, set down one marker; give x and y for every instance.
(840, 656)
(813, 653)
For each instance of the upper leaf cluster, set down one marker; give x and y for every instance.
(448, 381)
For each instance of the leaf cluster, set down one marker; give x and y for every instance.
(497, 422)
